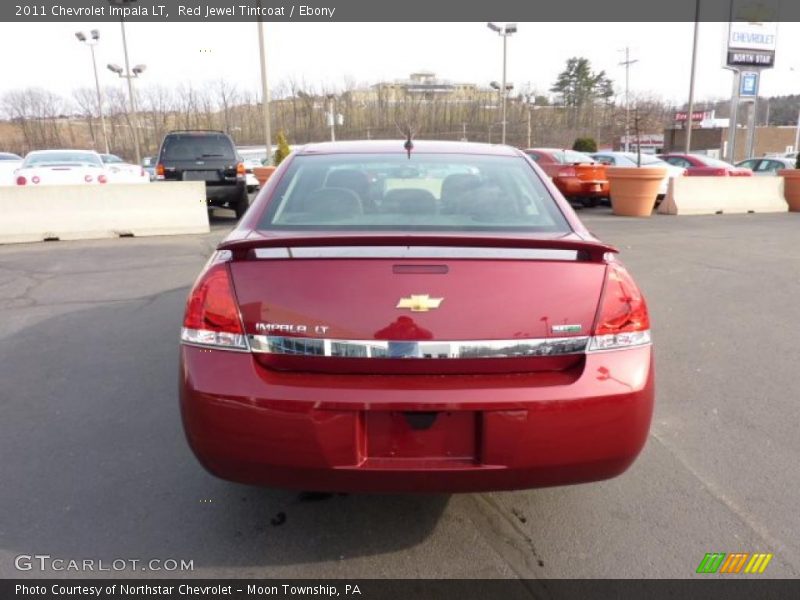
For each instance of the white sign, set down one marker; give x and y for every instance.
(744, 35)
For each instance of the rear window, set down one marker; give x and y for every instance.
(65, 158)
(428, 192)
(714, 162)
(568, 157)
(197, 147)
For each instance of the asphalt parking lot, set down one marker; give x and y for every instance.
(95, 465)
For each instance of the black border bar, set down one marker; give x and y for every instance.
(402, 10)
(712, 588)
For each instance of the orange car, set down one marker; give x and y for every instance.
(578, 176)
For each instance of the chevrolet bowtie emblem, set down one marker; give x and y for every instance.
(419, 303)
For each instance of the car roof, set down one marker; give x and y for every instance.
(62, 150)
(397, 146)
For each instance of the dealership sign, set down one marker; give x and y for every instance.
(748, 84)
(752, 34)
(747, 58)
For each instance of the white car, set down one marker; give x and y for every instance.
(249, 174)
(8, 164)
(628, 159)
(61, 167)
(121, 172)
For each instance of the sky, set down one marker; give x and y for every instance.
(326, 54)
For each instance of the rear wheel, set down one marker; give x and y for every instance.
(590, 202)
(240, 207)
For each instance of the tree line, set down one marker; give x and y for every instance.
(581, 103)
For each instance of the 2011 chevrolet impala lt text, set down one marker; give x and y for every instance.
(426, 316)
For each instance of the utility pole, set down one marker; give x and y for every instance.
(689, 120)
(627, 63)
(529, 126)
(331, 117)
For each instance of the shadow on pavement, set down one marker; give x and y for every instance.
(95, 464)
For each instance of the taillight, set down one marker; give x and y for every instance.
(141, 171)
(35, 179)
(21, 180)
(567, 172)
(87, 178)
(622, 319)
(240, 170)
(212, 316)
(159, 171)
(102, 179)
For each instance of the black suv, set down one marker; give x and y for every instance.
(208, 156)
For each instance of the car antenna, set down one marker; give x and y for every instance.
(409, 145)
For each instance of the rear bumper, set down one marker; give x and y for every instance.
(350, 432)
(223, 193)
(573, 187)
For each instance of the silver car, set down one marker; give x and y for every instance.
(767, 165)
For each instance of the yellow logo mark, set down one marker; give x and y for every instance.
(419, 303)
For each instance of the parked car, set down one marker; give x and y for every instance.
(61, 167)
(766, 165)
(250, 177)
(630, 159)
(9, 163)
(120, 171)
(207, 156)
(149, 165)
(698, 165)
(577, 175)
(457, 330)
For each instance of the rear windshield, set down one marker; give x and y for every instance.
(197, 147)
(714, 162)
(569, 157)
(428, 192)
(65, 158)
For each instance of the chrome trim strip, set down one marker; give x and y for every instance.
(404, 252)
(301, 346)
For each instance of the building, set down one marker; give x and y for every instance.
(714, 141)
(423, 86)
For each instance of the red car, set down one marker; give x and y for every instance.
(697, 165)
(424, 319)
(577, 175)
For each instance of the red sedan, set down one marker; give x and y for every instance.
(433, 319)
(577, 175)
(698, 165)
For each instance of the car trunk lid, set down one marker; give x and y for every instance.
(365, 303)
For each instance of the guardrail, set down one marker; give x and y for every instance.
(75, 212)
(723, 195)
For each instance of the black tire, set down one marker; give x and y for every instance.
(241, 205)
(590, 202)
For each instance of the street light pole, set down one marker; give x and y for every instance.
(504, 31)
(689, 121)
(129, 77)
(264, 86)
(94, 41)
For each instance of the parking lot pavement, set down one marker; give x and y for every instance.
(95, 464)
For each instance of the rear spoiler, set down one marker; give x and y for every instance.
(586, 250)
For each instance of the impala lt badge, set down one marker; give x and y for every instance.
(419, 303)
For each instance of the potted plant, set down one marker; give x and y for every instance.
(634, 189)
(791, 185)
(283, 150)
